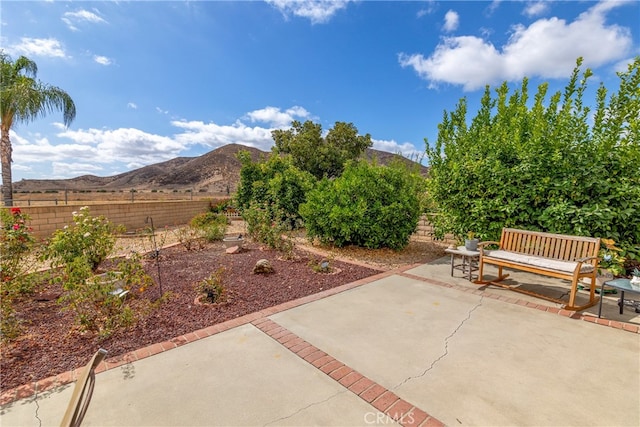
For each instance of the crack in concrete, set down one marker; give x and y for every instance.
(304, 408)
(446, 347)
(35, 400)
(37, 416)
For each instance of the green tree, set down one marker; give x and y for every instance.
(541, 167)
(322, 157)
(275, 183)
(368, 205)
(22, 100)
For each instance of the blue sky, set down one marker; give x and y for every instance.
(155, 80)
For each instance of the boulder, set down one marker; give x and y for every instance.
(263, 266)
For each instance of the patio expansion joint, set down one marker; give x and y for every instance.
(446, 347)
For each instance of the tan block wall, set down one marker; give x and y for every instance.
(424, 233)
(46, 219)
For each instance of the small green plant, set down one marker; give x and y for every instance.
(192, 239)
(610, 258)
(221, 206)
(212, 288)
(212, 225)
(320, 266)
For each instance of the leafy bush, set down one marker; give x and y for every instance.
(371, 206)
(16, 245)
(221, 206)
(93, 300)
(263, 228)
(16, 241)
(90, 240)
(212, 225)
(213, 287)
(542, 167)
(78, 251)
(276, 183)
(191, 238)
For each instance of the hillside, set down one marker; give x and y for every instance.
(217, 171)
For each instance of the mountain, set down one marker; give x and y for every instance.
(214, 172)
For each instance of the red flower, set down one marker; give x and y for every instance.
(16, 211)
(16, 226)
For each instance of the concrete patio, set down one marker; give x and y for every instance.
(411, 347)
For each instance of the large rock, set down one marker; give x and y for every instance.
(263, 266)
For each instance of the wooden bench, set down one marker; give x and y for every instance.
(565, 257)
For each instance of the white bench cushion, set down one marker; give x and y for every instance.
(536, 261)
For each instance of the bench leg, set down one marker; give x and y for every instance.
(480, 279)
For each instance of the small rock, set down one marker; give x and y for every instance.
(47, 296)
(263, 266)
(234, 250)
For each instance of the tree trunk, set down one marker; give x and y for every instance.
(5, 161)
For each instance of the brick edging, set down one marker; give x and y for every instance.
(381, 398)
(554, 310)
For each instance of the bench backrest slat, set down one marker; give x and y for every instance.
(549, 245)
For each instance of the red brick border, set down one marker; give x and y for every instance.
(382, 399)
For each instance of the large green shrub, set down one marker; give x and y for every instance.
(551, 166)
(368, 205)
(276, 183)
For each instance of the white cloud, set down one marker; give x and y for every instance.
(495, 4)
(72, 19)
(75, 169)
(407, 149)
(623, 66)
(276, 118)
(123, 144)
(132, 105)
(161, 111)
(214, 135)
(102, 60)
(536, 8)
(37, 47)
(547, 48)
(317, 11)
(430, 6)
(451, 21)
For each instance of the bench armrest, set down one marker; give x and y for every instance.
(583, 260)
(487, 242)
(481, 245)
